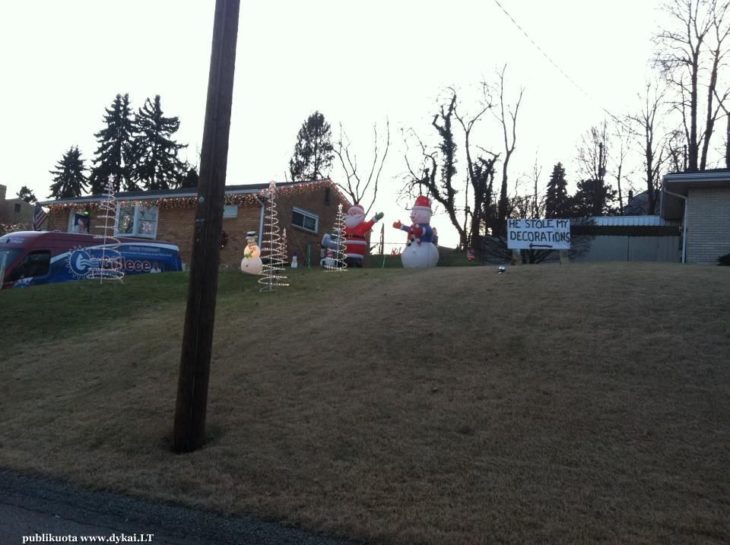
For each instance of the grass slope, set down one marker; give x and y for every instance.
(551, 404)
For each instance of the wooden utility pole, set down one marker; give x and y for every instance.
(192, 391)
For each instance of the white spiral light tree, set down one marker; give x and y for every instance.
(273, 249)
(336, 262)
(110, 263)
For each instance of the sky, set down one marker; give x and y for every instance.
(357, 62)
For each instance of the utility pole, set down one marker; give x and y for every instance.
(192, 391)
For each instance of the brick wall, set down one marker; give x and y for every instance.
(708, 225)
(175, 225)
(319, 202)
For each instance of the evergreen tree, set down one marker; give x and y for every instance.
(69, 179)
(593, 198)
(190, 178)
(27, 195)
(157, 165)
(557, 202)
(115, 157)
(313, 152)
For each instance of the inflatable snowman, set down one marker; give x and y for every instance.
(251, 262)
(421, 249)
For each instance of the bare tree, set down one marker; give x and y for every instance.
(507, 117)
(594, 196)
(538, 203)
(593, 152)
(622, 145)
(654, 145)
(424, 176)
(436, 172)
(356, 187)
(690, 55)
(480, 175)
(677, 151)
(726, 150)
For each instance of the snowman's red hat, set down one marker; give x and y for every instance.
(356, 210)
(422, 203)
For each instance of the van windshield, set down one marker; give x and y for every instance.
(7, 256)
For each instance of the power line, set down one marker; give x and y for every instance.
(557, 66)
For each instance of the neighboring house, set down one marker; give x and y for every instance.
(305, 209)
(638, 205)
(625, 238)
(701, 201)
(14, 212)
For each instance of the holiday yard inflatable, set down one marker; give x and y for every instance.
(356, 235)
(421, 250)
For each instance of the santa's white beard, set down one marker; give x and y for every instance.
(354, 221)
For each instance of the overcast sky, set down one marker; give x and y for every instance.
(62, 63)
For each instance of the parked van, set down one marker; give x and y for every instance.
(28, 258)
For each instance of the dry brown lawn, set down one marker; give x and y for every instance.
(550, 404)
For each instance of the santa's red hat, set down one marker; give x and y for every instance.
(422, 203)
(356, 210)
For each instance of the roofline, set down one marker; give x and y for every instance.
(700, 176)
(174, 193)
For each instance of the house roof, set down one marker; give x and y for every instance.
(182, 193)
(680, 183)
(638, 204)
(629, 221)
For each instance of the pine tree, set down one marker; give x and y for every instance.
(592, 198)
(313, 152)
(115, 157)
(189, 178)
(557, 202)
(27, 195)
(69, 179)
(157, 165)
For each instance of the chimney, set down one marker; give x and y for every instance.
(3, 191)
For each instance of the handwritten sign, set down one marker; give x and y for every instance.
(545, 234)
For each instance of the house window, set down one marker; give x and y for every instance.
(230, 211)
(306, 220)
(78, 221)
(136, 220)
(17, 208)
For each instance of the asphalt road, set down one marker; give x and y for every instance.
(38, 510)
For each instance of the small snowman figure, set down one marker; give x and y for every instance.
(251, 262)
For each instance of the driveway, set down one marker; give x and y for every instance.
(39, 510)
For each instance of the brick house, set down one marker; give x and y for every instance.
(701, 200)
(305, 209)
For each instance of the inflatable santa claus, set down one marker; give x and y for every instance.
(356, 235)
(421, 249)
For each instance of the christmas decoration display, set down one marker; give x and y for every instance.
(274, 251)
(245, 199)
(420, 250)
(109, 264)
(334, 245)
(356, 234)
(251, 262)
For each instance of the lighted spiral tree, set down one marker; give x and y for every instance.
(273, 248)
(336, 244)
(109, 264)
